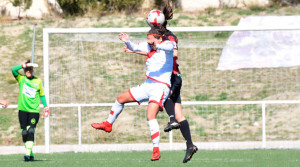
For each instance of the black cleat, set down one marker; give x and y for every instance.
(26, 158)
(171, 126)
(189, 153)
(31, 158)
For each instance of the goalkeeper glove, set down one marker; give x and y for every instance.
(24, 65)
(32, 65)
(46, 112)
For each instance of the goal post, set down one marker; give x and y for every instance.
(85, 69)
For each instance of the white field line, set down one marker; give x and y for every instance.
(148, 147)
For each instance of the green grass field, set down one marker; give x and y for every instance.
(224, 158)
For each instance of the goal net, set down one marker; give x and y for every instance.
(85, 69)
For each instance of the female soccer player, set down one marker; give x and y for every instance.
(173, 103)
(155, 89)
(3, 103)
(30, 93)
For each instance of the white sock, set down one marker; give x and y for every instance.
(154, 132)
(116, 109)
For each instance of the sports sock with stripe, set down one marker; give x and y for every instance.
(154, 132)
(116, 109)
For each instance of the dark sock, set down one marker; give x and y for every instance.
(186, 133)
(170, 108)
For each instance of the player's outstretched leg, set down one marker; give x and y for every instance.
(113, 115)
(105, 126)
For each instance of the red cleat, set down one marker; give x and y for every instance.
(155, 154)
(105, 126)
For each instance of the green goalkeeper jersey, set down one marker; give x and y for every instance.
(30, 91)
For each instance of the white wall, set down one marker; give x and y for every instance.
(38, 9)
(194, 5)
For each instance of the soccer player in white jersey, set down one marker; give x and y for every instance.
(173, 103)
(155, 89)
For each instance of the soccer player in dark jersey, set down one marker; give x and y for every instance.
(173, 103)
(30, 94)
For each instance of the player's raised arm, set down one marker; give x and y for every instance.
(137, 52)
(15, 70)
(123, 37)
(27, 65)
(142, 47)
(165, 46)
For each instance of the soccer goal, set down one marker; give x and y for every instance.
(86, 68)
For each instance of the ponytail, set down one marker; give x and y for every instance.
(167, 10)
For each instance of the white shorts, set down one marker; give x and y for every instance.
(150, 90)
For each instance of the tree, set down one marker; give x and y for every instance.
(287, 2)
(81, 7)
(76, 7)
(22, 4)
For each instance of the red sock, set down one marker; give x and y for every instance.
(155, 149)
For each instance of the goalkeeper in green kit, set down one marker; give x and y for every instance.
(30, 93)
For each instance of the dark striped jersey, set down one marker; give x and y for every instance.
(171, 37)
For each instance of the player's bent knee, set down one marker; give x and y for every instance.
(150, 117)
(24, 132)
(120, 99)
(123, 98)
(31, 130)
(30, 136)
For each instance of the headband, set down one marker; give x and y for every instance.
(154, 34)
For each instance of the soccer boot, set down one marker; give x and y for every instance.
(156, 154)
(26, 158)
(105, 126)
(189, 153)
(31, 158)
(172, 125)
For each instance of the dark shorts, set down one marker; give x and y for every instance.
(28, 119)
(176, 82)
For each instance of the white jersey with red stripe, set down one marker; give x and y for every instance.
(159, 61)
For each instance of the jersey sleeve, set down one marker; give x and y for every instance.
(142, 46)
(174, 40)
(19, 77)
(15, 72)
(167, 46)
(41, 89)
(43, 100)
